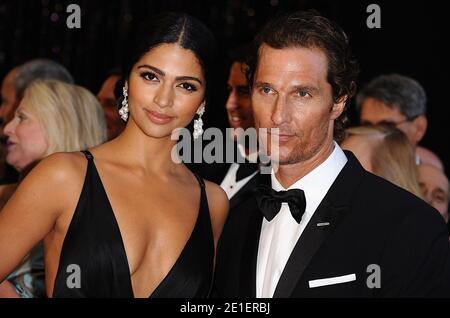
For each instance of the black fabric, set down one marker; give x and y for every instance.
(10, 175)
(94, 243)
(363, 220)
(269, 202)
(214, 172)
(246, 169)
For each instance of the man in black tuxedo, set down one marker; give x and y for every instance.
(320, 225)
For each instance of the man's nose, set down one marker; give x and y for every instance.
(280, 111)
(232, 103)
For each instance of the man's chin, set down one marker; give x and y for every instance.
(280, 159)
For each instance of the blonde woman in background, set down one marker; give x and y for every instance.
(386, 152)
(52, 117)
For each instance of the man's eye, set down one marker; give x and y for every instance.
(189, 87)
(149, 76)
(303, 93)
(266, 90)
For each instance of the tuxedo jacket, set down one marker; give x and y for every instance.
(380, 241)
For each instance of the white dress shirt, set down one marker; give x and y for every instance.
(229, 184)
(279, 236)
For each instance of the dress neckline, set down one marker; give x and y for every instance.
(90, 158)
(116, 223)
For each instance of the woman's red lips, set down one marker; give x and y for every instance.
(158, 118)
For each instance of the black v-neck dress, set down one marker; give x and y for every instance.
(94, 244)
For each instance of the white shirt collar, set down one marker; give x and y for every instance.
(318, 181)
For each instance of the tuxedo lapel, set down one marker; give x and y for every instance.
(249, 257)
(307, 245)
(221, 172)
(250, 251)
(324, 220)
(245, 192)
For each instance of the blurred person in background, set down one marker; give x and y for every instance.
(237, 179)
(108, 100)
(13, 88)
(52, 117)
(435, 187)
(398, 101)
(7, 106)
(234, 176)
(386, 152)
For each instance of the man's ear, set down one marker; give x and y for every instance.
(420, 124)
(338, 107)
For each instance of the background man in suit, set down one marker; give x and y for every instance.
(234, 176)
(322, 226)
(399, 101)
(240, 115)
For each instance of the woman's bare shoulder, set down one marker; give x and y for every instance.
(47, 192)
(58, 174)
(61, 166)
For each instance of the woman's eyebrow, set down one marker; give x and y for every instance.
(162, 73)
(154, 69)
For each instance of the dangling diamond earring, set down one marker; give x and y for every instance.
(198, 123)
(123, 111)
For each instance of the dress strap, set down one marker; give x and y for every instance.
(88, 154)
(200, 180)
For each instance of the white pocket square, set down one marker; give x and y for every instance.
(332, 280)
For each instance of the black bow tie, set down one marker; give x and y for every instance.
(245, 169)
(269, 202)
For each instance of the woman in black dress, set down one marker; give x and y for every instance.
(123, 219)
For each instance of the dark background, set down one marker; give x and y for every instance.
(411, 41)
